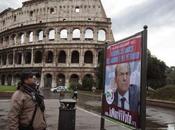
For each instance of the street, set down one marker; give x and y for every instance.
(157, 118)
(88, 114)
(165, 117)
(84, 120)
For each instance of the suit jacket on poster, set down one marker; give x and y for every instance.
(134, 98)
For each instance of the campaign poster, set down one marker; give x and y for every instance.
(123, 81)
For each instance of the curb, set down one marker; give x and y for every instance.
(88, 94)
(160, 103)
(5, 95)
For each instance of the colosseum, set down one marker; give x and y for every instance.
(59, 40)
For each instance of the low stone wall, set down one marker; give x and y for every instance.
(160, 103)
(149, 102)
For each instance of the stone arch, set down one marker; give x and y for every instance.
(89, 34)
(2, 79)
(4, 59)
(30, 37)
(9, 79)
(61, 80)
(14, 39)
(27, 57)
(88, 76)
(48, 80)
(40, 35)
(22, 38)
(77, 9)
(10, 59)
(76, 34)
(62, 57)
(51, 34)
(101, 35)
(88, 57)
(74, 78)
(64, 34)
(31, 13)
(52, 10)
(18, 58)
(49, 57)
(88, 81)
(38, 57)
(7, 39)
(14, 18)
(75, 57)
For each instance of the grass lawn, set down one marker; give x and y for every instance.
(164, 93)
(7, 88)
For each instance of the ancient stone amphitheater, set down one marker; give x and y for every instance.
(59, 40)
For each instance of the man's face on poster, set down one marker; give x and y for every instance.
(122, 77)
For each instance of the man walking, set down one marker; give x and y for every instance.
(27, 106)
(75, 93)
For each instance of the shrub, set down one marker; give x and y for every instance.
(87, 83)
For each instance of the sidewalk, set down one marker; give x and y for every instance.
(85, 120)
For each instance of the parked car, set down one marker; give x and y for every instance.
(58, 89)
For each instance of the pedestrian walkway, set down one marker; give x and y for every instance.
(85, 120)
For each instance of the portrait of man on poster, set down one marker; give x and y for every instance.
(126, 95)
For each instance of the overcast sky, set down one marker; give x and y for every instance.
(129, 17)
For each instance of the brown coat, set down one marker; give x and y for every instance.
(22, 108)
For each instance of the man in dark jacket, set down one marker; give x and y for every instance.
(75, 93)
(126, 95)
(27, 106)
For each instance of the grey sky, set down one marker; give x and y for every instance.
(9, 3)
(129, 16)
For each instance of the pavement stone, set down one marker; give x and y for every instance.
(85, 120)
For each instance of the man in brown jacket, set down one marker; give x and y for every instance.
(27, 106)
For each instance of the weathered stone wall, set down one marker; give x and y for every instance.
(58, 39)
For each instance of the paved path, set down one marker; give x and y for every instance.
(84, 120)
(162, 116)
(157, 118)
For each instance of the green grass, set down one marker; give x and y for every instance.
(7, 88)
(164, 93)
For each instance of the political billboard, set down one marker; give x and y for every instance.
(123, 81)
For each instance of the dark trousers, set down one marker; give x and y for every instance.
(75, 96)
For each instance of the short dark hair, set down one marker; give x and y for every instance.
(25, 75)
